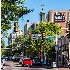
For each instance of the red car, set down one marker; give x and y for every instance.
(27, 61)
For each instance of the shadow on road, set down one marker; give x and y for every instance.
(33, 66)
(44, 66)
(6, 65)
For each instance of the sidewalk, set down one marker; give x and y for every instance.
(63, 68)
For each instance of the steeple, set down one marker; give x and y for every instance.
(42, 14)
(42, 8)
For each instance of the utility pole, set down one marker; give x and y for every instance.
(56, 48)
(68, 35)
(69, 38)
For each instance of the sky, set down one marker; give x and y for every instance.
(36, 5)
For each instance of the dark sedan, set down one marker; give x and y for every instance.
(37, 61)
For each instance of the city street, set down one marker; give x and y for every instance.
(15, 66)
(35, 35)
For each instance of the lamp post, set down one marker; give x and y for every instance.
(68, 35)
(56, 48)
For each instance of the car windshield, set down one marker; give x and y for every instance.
(36, 59)
(21, 57)
(26, 59)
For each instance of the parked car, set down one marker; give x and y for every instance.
(6, 57)
(27, 62)
(37, 61)
(16, 59)
(1, 64)
(21, 59)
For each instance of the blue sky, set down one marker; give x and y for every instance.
(36, 5)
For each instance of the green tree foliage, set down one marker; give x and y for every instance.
(2, 51)
(32, 46)
(11, 10)
(50, 29)
(2, 43)
(2, 46)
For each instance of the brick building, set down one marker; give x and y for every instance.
(60, 17)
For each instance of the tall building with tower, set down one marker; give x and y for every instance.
(27, 26)
(34, 25)
(60, 17)
(42, 14)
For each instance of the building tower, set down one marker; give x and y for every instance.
(42, 14)
(27, 26)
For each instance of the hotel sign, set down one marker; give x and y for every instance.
(59, 17)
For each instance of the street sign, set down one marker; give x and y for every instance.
(50, 37)
(36, 36)
(39, 36)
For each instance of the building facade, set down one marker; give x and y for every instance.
(60, 17)
(27, 26)
(34, 25)
(14, 35)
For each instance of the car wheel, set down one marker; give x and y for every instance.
(4, 64)
(30, 65)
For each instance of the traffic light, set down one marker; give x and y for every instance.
(68, 31)
(30, 35)
(43, 35)
(15, 26)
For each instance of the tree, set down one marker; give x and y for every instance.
(50, 29)
(33, 46)
(11, 10)
(2, 43)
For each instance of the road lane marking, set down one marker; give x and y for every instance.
(55, 68)
(4, 67)
(15, 69)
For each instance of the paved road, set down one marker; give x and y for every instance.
(14, 66)
(63, 69)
